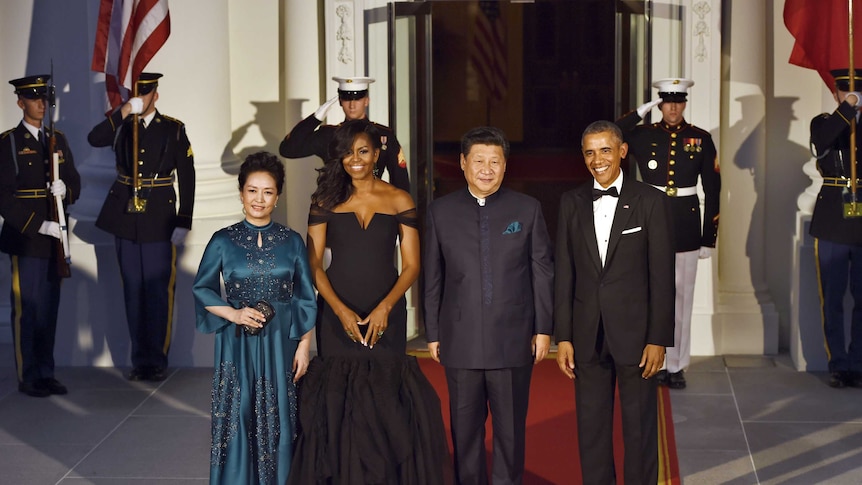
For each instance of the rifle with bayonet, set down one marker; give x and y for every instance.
(58, 212)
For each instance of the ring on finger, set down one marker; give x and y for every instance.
(380, 333)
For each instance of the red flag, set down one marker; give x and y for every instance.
(489, 49)
(128, 35)
(821, 30)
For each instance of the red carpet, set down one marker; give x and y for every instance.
(552, 442)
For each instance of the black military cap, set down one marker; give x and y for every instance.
(350, 88)
(31, 87)
(842, 79)
(674, 89)
(147, 82)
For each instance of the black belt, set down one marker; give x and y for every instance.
(153, 182)
(31, 194)
(839, 182)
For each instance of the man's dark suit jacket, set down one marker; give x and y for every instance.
(633, 294)
(488, 279)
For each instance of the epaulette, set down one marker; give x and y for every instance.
(172, 119)
(379, 126)
(695, 128)
(6, 133)
(825, 115)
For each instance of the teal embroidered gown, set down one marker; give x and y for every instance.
(254, 401)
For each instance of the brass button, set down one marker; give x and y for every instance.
(673, 143)
(670, 172)
(670, 182)
(673, 135)
(673, 152)
(143, 151)
(671, 162)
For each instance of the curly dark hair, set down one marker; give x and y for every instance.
(334, 185)
(262, 162)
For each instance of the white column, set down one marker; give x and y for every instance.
(747, 320)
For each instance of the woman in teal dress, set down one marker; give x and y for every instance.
(254, 401)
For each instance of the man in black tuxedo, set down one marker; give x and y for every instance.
(614, 307)
(488, 289)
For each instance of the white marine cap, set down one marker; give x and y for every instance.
(673, 89)
(352, 87)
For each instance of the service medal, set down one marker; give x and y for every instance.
(383, 142)
(652, 164)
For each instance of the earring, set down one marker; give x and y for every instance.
(376, 171)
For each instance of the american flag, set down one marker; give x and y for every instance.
(488, 53)
(128, 35)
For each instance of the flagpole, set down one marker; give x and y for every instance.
(852, 209)
(137, 204)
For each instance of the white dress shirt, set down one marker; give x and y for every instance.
(603, 215)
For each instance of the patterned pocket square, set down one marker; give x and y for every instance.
(513, 228)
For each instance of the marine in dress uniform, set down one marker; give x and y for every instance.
(146, 241)
(838, 239)
(671, 155)
(30, 237)
(310, 137)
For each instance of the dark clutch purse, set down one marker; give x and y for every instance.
(268, 314)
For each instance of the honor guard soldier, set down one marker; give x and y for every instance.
(30, 237)
(309, 137)
(838, 235)
(145, 223)
(671, 155)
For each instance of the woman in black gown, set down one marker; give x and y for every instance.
(367, 413)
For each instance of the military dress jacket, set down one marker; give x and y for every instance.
(306, 139)
(25, 200)
(164, 151)
(830, 144)
(674, 157)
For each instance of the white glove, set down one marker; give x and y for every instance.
(705, 252)
(858, 98)
(50, 228)
(646, 107)
(321, 111)
(137, 105)
(58, 188)
(179, 235)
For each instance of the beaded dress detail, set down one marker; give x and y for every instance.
(254, 399)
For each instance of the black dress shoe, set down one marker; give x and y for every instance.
(137, 374)
(157, 374)
(676, 380)
(838, 379)
(854, 379)
(33, 389)
(53, 386)
(661, 377)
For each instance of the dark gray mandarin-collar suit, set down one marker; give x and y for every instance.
(488, 290)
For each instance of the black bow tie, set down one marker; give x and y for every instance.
(597, 193)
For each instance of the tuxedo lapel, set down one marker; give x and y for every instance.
(625, 209)
(584, 205)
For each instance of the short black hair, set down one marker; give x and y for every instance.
(485, 135)
(262, 162)
(602, 126)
